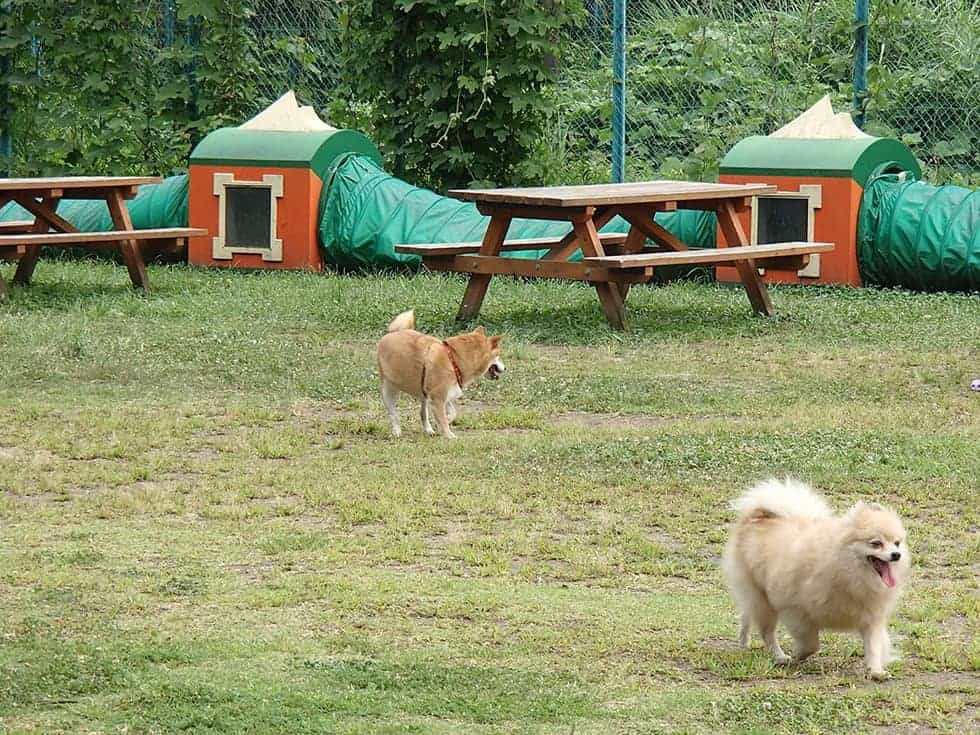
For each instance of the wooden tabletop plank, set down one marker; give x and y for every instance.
(643, 192)
(712, 255)
(76, 182)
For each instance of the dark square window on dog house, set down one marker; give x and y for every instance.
(248, 217)
(782, 219)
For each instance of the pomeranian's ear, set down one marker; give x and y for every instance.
(867, 505)
(495, 341)
(862, 506)
(479, 330)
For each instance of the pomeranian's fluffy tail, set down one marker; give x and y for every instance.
(405, 320)
(775, 498)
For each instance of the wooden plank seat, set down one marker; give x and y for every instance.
(532, 243)
(530, 268)
(776, 256)
(16, 226)
(73, 239)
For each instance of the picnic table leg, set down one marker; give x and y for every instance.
(609, 294)
(27, 262)
(3, 284)
(747, 271)
(635, 241)
(476, 289)
(130, 250)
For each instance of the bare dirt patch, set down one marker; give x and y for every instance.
(254, 573)
(613, 420)
(30, 455)
(313, 413)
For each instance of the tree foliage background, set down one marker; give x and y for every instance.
(462, 91)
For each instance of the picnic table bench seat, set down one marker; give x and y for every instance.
(15, 226)
(776, 256)
(81, 239)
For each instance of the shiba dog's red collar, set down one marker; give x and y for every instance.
(452, 360)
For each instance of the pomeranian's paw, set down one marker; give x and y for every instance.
(781, 659)
(879, 675)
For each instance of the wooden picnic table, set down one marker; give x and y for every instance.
(23, 240)
(611, 261)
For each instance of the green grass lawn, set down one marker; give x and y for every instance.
(206, 527)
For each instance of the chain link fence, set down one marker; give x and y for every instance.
(298, 43)
(925, 82)
(701, 75)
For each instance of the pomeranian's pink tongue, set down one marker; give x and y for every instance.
(885, 570)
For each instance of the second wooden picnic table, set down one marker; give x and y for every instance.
(588, 208)
(23, 240)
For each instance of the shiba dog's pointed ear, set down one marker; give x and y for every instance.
(479, 330)
(495, 341)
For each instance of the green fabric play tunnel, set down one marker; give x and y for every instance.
(918, 236)
(365, 212)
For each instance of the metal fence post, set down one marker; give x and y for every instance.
(169, 22)
(194, 42)
(619, 91)
(595, 29)
(6, 115)
(860, 60)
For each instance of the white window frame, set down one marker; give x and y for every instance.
(813, 193)
(220, 250)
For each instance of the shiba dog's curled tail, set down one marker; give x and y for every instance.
(405, 320)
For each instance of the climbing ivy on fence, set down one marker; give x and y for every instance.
(94, 87)
(455, 87)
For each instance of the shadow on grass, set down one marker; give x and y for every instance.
(583, 323)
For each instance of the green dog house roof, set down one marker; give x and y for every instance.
(313, 150)
(857, 159)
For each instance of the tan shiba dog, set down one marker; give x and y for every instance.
(434, 370)
(790, 558)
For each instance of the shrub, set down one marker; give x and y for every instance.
(455, 87)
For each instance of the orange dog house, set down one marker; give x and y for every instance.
(259, 191)
(820, 182)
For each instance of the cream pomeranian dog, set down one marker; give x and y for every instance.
(790, 558)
